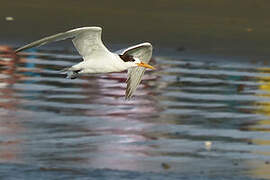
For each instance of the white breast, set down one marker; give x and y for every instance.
(102, 64)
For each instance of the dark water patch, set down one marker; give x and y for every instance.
(35, 172)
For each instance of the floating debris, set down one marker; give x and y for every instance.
(177, 78)
(208, 145)
(9, 18)
(240, 88)
(165, 166)
(249, 29)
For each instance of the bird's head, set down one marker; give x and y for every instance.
(138, 63)
(131, 61)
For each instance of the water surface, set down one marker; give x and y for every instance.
(192, 117)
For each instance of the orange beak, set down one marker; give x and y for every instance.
(145, 65)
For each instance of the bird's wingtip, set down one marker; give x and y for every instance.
(147, 44)
(17, 50)
(95, 28)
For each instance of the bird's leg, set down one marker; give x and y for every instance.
(71, 73)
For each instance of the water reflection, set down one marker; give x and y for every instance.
(91, 124)
(119, 121)
(11, 127)
(85, 123)
(260, 166)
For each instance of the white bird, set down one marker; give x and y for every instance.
(98, 59)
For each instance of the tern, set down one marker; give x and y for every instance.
(96, 58)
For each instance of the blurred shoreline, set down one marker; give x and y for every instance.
(225, 27)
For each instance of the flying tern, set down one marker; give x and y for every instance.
(96, 58)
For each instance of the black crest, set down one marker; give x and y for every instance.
(127, 58)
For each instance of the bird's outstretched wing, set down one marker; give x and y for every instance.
(143, 52)
(87, 40)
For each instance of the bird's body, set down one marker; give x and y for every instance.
(107, 64)
(98, 59)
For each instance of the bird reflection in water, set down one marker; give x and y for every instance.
(108, 132)
(126, 121)
(90, 110)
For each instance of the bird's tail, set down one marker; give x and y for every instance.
(70, 72)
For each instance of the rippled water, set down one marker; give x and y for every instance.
(192, 117)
